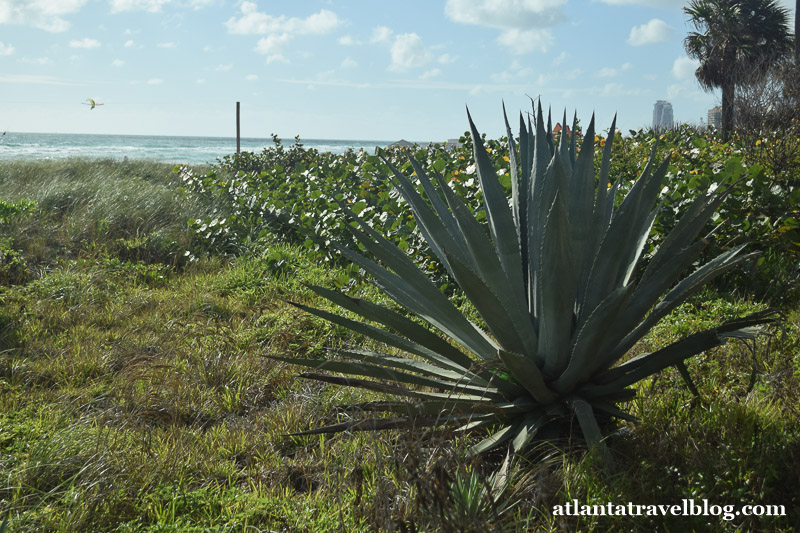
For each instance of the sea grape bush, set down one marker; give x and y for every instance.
(763, 207)
(305, 194)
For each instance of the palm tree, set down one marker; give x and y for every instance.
(734, 38)
(797, 32)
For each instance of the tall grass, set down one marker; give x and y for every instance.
(133, 210)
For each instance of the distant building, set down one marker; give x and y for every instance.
(402, 143)
(662, 115)
(558, 128)
(715, 117)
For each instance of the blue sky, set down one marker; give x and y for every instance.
(338, 69)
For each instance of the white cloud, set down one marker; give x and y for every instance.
(408, 52)
(43, 14)
(36, 60)
(84, 43)
(251, 77)
(167, 45)
(224, 68)
(524, 24)
(272, 45)
(278, 31)
(347, 40)
(684, 67)
(560, 59)
(617, 89)
(6, 49)
(445, 59)
(526, 41)
(688, 91)
(155, 81)
(514, 72)
(381, 34)
(117, 63)
(252, 22)
(504, 14)
(608, 72)
(428, 74)
(276, 58)
(129, 43)
(545, 79)
(200, 81)
(34, 80)
(655, 31)
(349, 62)
(151, 6)
(650, 3)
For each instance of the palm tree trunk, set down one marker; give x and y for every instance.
(797, 33)
(727, 109)
(728, 87)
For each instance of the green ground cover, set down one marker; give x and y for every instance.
(135, 394)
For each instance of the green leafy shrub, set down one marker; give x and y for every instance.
(304, 194)
(763, 207)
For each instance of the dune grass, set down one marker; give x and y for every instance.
(135, 396)
(128, 209)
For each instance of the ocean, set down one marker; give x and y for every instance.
(190, 150)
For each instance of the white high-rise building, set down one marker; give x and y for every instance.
(715, 117)
(662, 115)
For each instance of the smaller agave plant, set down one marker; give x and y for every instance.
(556, 277)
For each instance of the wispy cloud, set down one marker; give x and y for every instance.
(420, 84)
(609, 72)
(85, 43)
(6, 49)
(43, 15)
(514, 72)
(36, 60)
(650, 3)
(347, 40)
(524, 25)
(278, 31)
(151, 6)
(34, 80)
(381, 34)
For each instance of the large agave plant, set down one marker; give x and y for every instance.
(557, 282)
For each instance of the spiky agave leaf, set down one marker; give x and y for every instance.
(552, 276)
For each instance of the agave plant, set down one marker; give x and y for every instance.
(558, 281)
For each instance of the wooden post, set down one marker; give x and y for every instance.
(238, 134)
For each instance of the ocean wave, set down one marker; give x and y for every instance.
(192, 150)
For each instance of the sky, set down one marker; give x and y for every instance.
(340, 69)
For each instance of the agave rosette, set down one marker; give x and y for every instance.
(555, 276)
